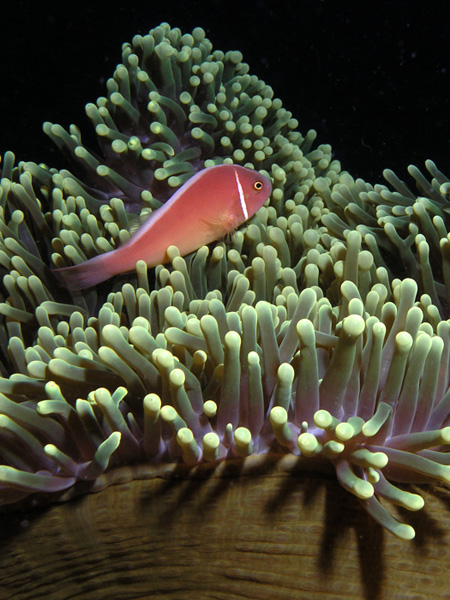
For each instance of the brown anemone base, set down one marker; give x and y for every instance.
(237, 535)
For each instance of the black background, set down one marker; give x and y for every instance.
(373, 78)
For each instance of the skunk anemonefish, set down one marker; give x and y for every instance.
(208, 206)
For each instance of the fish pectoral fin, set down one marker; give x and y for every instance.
(222, 225)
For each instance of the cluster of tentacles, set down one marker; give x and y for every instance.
(302, 334)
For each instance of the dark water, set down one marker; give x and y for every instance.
(373, 79)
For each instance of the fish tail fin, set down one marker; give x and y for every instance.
(84, 275)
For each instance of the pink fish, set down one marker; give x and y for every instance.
(208, 206)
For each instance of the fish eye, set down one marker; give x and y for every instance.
(258, 185)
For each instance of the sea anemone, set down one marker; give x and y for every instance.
(301, 338)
